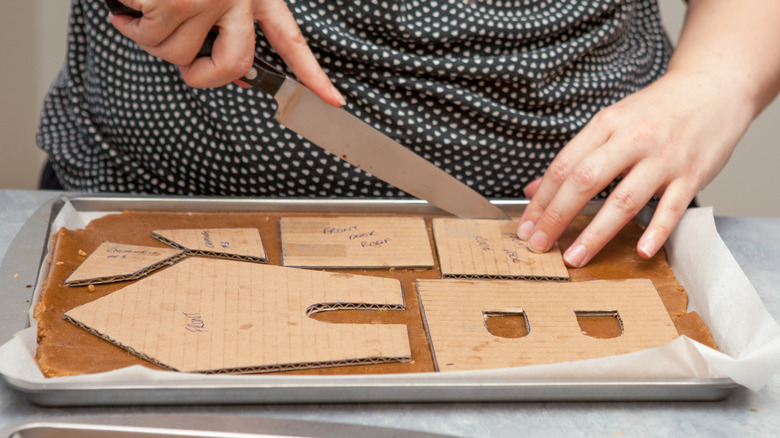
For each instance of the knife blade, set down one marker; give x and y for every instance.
(353, 140)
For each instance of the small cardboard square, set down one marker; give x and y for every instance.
(356, 242)
(112, 262)
(216, 315)
(484, 248)
(233, 243)
(454, 313)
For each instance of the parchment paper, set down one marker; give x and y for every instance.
(749, 338)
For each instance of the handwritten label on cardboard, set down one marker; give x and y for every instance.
(118, 262)
(217, 315)
(455, 318)
(352, 241)
(237, 243)
(484, 248)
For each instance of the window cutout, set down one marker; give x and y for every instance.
(506, 323)
(600, 324)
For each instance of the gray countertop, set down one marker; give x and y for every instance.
(754, 242)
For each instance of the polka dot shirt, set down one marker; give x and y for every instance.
(487, 90)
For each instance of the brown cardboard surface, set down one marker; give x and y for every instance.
(118, 262)
(236, 243)
(351, 241)
(484, 248)
(455, 313)
(212, 315)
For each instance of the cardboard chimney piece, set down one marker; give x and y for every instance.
(215, 315)
(484, 248)
(455, 313)
(356, 242)
(232, 243)
(112, 262)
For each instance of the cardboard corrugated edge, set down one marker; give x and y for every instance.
(426, 326)
(327, 307)
(113, 341)
(126, 277)
(267, 368)
(217, 254)
(312, 365)
(504, 277)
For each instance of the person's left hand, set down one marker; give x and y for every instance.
(669, 139)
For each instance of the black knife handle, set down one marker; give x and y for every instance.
(118, 8)
(262, 75)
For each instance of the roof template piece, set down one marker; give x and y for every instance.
(233, 243)
(112, 262)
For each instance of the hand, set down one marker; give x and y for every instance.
(669, 139)
(174, 30)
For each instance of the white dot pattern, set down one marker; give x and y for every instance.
(487, 90)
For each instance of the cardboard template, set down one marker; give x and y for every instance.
(112, 262)
(357, 242)
(455, 313)
(233, 243)
(215, 315)
(485, 248)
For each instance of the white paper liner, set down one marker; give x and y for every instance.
(748, 337)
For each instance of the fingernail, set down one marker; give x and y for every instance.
(338, 96)
(647, 248)
(524, 230)
(575, 256)
(538, 242)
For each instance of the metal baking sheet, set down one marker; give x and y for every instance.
(28, 250)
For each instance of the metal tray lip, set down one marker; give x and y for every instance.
(526, 390)
(109, 202)
(114, 202)
(375, 381)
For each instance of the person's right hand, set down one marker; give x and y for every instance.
(174, 30)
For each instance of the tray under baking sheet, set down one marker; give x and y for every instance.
(28, 251)
(196, 426)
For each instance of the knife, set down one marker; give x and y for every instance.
(354, 141)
